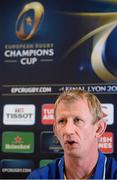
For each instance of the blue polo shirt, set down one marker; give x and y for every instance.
(106, 168)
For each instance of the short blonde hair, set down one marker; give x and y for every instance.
(74, 95)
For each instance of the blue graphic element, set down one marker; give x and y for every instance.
(10, 163)
(110, 52)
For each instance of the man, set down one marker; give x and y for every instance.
(78, 125)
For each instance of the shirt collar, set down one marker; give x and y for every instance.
(98, 172)
(61, 168)
(99, 169)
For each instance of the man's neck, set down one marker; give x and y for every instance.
(80, 168)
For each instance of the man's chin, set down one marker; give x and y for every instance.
(72, 153)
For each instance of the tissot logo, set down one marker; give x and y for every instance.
(18, 142)
(19, 114)
(108, 111)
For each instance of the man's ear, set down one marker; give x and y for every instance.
(101, 127)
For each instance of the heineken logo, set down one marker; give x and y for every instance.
(18, 142)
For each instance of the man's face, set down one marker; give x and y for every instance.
(74, 128)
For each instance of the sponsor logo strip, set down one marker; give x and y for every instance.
(18, 142)
(16, 166)
(108, 113)
(105, 143)
(49, 144)
(47, 114)
(19, 114)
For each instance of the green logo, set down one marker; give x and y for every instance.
(44, 162)
(18, 142)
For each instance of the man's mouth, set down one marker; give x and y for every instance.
(70, 142)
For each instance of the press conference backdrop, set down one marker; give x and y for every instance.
(46, 47)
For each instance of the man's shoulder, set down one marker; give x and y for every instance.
(46, 171)
(112, 162)
(111, 167)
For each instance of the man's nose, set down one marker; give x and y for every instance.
(69, 127)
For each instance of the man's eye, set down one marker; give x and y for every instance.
(61, 121)
(76, 120)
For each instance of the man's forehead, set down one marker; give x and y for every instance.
(73, 100)
(70, 104)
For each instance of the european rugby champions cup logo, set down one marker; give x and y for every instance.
(28, 20)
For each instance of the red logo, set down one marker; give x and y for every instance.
(47, 114)
(105, 143)
(18, 139)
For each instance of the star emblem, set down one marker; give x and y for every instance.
(18, 139)
(29, 21)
